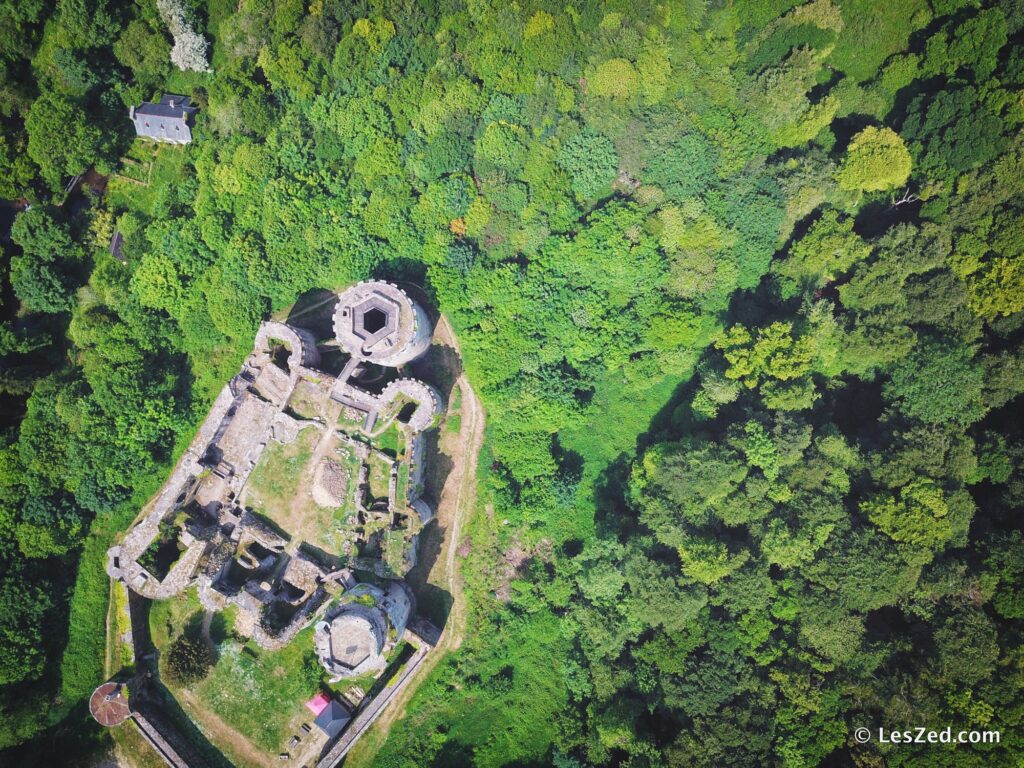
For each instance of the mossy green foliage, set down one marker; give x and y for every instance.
(877, 159)
(402, 483)
(485, 682)
(83, 666)
(873, 32)
(156, 168)
(122, 657)
(170, 618)
(391, 440)
(379, 476)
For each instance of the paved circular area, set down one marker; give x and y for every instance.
(109, 704)
(352, 640)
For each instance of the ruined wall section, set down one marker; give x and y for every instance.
(239, 424)
(301, 343)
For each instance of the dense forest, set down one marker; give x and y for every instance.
(741, 286)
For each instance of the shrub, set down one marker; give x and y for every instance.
(615, 78)
(188, 660)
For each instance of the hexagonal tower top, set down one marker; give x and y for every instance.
(378, 322)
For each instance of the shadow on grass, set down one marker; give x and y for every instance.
(165, 713)
(391, 670)
(77, 738)
(157, 703)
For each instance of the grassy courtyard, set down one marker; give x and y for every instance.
(275, 485)
(259, 693)
(280, 490)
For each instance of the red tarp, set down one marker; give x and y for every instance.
(318, 703)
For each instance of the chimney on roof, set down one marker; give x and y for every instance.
(172, 103)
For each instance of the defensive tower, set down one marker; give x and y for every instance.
(378, 322)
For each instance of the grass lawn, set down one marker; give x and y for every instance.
(380, 475)
(391, 440)
(363, 682)
(120, 625)
(402, 486)
(455, 423)
(610, 431)
(276, 482)
(279, 490)
(873, 32)
(262, 694)
(169, 618)
(169, 167)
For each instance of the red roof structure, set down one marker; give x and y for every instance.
(318, 703)
(109, 704)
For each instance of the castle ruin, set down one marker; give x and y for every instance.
(217, 523)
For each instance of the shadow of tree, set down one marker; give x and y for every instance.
(165, 713)
(453, 755)
(152, 699)
(314, 310)
(77, 735)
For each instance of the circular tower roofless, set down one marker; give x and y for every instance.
(378, 322)
(351, 642)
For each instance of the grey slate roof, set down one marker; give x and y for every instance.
(332, 719)
(170, 120)
(116, 243)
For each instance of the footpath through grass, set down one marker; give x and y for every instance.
(261, 694)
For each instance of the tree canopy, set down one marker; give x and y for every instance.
(740, 287)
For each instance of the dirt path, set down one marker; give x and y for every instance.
(458, 499)
(205, 630)
(223, 733)
(297, 510)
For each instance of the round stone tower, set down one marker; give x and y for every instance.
(109, 704)
(378, 322)
(355, 637)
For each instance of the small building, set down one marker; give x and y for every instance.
(333, 719)
(169, 121)
(117, 246)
